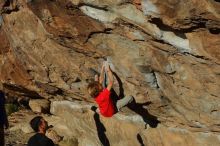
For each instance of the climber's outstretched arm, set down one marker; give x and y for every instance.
(101, 77)
(110, 77)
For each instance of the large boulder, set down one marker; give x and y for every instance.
(165, 53)
(39, 105)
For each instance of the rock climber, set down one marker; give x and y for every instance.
(102, 93)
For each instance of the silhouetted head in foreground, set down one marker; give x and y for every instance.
(38, 124)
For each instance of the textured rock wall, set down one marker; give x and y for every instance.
(166, 54)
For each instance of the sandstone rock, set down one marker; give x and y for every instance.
(205, 44)
(129, 13)
(46, 16)
(26, 128)
(146, 136)
(28, 40)
(99, 3)
(182, 14)
(88, 130)
(75, 2)
(131, 33)
(165, 54)
(99, 14)
(69, 142)
(149, 8)
(180, 43)
(39, 105)
(52, 134)
(172, 136)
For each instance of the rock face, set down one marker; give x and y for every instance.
(91, 129)
(166, 54)
(39, 105)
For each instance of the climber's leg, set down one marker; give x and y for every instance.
(124, 102)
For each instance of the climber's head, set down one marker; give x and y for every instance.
(94, 88)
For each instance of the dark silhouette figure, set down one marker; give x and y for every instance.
(136, 107)
(100, 129)
(3, 118)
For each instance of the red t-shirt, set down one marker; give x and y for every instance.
(105, 103)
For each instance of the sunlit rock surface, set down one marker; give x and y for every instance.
(166, 54)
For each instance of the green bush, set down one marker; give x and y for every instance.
(11, 108)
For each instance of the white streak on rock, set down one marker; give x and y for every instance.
(98, 14)
(67, 104)
(132, 15)
(136, 17)
(132, 118)
(178, 42)
(149, 8)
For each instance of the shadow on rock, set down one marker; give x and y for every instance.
(147, 117)
(101, 130)
(136, 107)
(140, 140)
